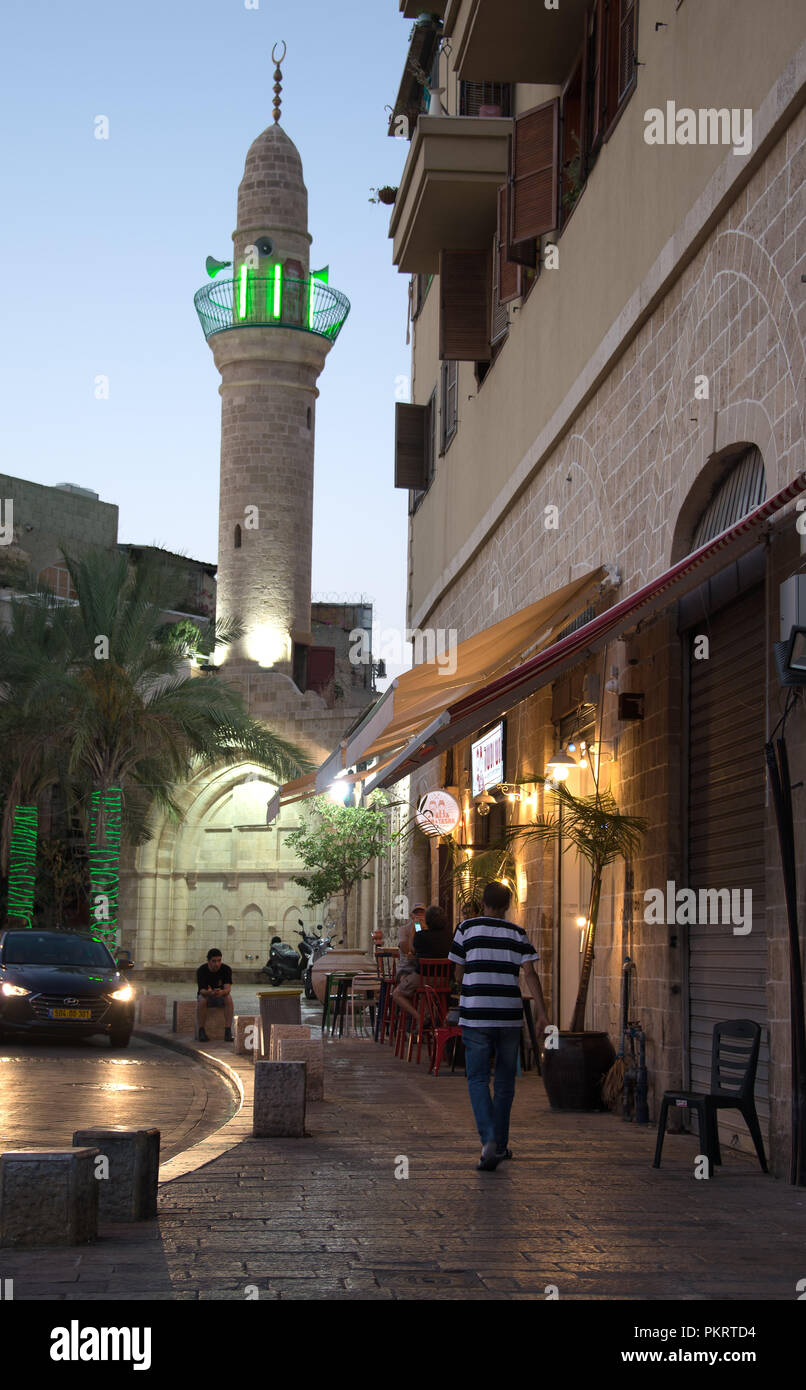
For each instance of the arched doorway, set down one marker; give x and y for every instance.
(723, 630)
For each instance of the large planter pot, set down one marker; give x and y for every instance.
(573, 1072)
(338, 960)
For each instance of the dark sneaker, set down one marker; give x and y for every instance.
(489, 1158)
(203, 1036)
(502, 1154)
(229, 1038)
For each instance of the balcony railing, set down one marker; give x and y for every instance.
(271, 301)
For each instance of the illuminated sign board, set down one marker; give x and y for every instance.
(487, 759)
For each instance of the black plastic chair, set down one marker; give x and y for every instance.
(734, 1060)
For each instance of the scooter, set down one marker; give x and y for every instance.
(284, 963)
(321, 946)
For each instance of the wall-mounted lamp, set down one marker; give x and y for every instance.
(559, 765)
(485, 803)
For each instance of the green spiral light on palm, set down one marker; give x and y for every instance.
(22, 864)
(104, 860)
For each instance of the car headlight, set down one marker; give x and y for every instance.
(123, 995)
(14, 989)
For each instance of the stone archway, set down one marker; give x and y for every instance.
(220, 854)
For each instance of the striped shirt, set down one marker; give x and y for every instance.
(492, 952)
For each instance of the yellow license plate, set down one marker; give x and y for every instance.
(71, 1013)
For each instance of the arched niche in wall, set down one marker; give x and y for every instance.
(732, 484)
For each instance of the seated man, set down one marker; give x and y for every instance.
(214, 982)
(432, 942)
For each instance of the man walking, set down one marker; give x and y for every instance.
(214, 983)
(489, 953)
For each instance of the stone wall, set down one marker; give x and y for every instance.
(634, 468)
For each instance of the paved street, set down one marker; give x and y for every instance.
(579, 1208)
(51, 1089)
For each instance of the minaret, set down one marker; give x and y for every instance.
(270, 328)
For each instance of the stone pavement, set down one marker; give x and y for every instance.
(326, 1217)
(50, 1089)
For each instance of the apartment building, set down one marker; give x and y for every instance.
(602, 216)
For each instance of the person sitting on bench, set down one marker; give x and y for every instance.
(214, 982)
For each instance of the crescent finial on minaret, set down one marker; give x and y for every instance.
(278, 79)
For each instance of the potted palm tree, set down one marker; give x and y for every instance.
(594, 826)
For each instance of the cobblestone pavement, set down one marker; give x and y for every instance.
(579, 1208)
(48, 1090)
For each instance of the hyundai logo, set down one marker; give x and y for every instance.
(72, 1001)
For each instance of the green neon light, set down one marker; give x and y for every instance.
(22, 864)
(278, 289)
(243, 289)
(104, 857)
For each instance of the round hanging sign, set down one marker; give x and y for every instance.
(438, 813)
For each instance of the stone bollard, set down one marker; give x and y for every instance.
(129, 1191)
(276, 1006)
(279, 1103)
(311, 1051)
(184, 1016)
(152, 1008)
(286, 1030)
(48, 1197)
(215, 1024)
(241, 1024)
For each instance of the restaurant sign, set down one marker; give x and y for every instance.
(487, 759)
(438, 813)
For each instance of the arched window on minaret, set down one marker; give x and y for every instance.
(237, 537)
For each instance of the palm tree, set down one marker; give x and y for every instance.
(594, 826)
(472, 870)
(94, 694)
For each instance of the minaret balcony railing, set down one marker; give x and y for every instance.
(271, 301)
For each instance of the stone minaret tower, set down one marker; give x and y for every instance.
(270, 328)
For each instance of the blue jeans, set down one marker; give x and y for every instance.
(491, 1115)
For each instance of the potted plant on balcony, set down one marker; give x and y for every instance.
(383, 195)
(595, 827)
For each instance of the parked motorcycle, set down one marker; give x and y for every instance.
(285, 963)
(321, 946)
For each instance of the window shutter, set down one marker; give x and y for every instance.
(533, 168)
(626, 46)
(474, 95)
(464, 306)
(508, 274)
(596, 79)
(410, 445)
(619, 56)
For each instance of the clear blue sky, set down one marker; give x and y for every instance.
(103, 246)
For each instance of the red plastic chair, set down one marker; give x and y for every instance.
(436, 974)
(442, 1035)
(440, 1032)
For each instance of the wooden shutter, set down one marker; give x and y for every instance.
(509, 275)
(596, 85)
(533, 169)
(410, 445)
(619, 66)
(626, 46)
(464, 306)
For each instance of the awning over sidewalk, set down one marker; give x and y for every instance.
(470, 712)
(298, 790)
(413, 699)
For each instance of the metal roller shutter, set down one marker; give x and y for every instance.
(728, 973)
